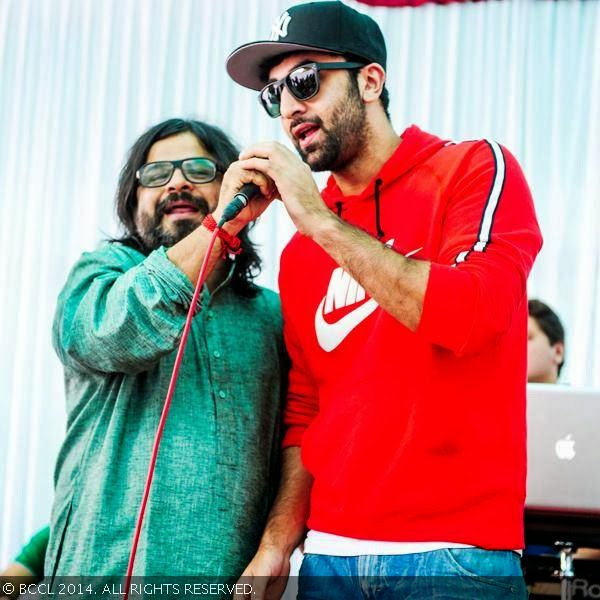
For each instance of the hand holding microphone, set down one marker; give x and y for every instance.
(294, 182)
(239, 202)
(245, 194)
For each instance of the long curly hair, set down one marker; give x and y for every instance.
(247, 264)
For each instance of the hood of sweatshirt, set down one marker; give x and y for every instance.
(414, 149)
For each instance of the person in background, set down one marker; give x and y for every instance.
(545, 344)
(28, 566)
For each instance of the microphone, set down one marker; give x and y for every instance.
(239, 202)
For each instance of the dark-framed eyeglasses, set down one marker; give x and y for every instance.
(302, 82)
(198, 169)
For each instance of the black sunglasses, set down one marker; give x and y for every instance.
(302, 82)
(196, 170)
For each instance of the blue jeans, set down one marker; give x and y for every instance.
(449, 574)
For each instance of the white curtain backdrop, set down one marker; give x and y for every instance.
(81, 79)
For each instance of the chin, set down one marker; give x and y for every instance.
(169, 235)
(318, 163)
(313, 158)
(185, 225)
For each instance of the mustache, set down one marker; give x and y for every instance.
(197, 202)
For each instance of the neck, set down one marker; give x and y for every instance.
(380, 144)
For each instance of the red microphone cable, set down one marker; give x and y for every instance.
(165, 411)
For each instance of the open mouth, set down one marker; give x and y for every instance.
(305, 133)
(180, 207)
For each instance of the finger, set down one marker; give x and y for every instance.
(259, 587)
(243, 587)
(255, 164)
(241, 175)
(264, 183)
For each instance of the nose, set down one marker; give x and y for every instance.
(290, 106)
(178, 182)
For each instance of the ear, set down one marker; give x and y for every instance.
(559, 353)
(373, 79)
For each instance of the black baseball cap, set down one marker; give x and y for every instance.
(321, 26)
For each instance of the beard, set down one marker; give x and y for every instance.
(343, 139)
(150, 227)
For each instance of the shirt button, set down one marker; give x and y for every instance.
(217, 354)
(209, 314)
(222, 394)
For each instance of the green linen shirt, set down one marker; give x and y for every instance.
(117, 326)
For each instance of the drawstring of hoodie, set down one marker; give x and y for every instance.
(380, 233)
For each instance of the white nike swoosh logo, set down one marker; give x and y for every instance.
(331, 335)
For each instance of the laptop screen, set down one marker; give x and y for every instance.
(563, 447)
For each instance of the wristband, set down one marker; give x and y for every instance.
(231, 243)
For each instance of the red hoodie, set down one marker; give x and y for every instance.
(418, 436)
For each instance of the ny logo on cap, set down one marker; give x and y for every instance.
(280, 26)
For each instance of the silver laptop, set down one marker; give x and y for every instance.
(563, 445)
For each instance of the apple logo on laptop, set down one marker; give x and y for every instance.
(565, 448)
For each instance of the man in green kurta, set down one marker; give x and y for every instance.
(117, 326)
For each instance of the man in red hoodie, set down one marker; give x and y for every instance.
(405, 314)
